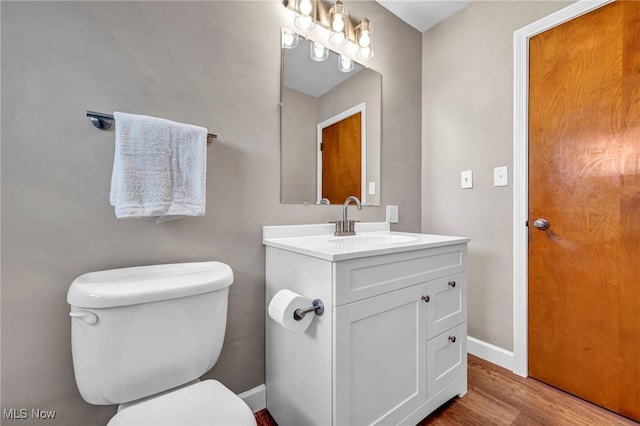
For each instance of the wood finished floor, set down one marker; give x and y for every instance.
(498, 397)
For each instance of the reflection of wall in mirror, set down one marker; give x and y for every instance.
(300, 111)
(298, 146)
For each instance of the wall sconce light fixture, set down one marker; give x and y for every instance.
(336, 20)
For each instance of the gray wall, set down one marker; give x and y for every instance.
(185, 61)
(467, 124)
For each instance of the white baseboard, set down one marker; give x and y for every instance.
(255, 398)
(491, 353)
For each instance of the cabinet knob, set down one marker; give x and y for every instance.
(426, 298)
(452, 283)
(452, 339)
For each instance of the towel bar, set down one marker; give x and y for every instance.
(104, 121)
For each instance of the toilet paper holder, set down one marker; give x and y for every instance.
(318, 308)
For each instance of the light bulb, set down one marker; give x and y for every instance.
(365, 39)
(364, 53)
(305, 7)
(345, 64)
(289, 39)
(304, 22)
(338, 24)
(337, 39)
(319, 53)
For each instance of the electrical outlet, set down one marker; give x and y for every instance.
(372, 188)
(392, 214)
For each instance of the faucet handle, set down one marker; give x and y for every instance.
(339, 227)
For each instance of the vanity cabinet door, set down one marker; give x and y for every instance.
(447, 305)
(380, 358)
(447, 355)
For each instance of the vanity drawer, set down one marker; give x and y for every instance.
(358, 279)
(447, 359)
(447, 303)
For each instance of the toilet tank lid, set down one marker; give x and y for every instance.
(144, 284)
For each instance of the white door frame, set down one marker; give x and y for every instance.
(521, 169)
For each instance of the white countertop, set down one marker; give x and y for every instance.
(371, 239)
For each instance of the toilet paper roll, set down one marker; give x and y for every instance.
(284, 304)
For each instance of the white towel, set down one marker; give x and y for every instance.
(159, 169)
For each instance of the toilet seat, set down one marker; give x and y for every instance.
(207, 403)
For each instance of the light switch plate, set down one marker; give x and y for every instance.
(372, 188)
(501, 176)
(392, 214)
(466, 179)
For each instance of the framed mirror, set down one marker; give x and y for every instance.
(330, 127)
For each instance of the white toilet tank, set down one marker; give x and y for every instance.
(139, 331)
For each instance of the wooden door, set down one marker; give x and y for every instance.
(341, 159)
(584, 178)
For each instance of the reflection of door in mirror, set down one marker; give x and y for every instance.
(341, 152)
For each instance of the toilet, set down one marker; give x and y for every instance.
(142, 337)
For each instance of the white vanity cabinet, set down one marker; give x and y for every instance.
(391, 345)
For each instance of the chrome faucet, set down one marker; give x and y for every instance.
(345, 226)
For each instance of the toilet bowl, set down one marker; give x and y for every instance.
(143, 336)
